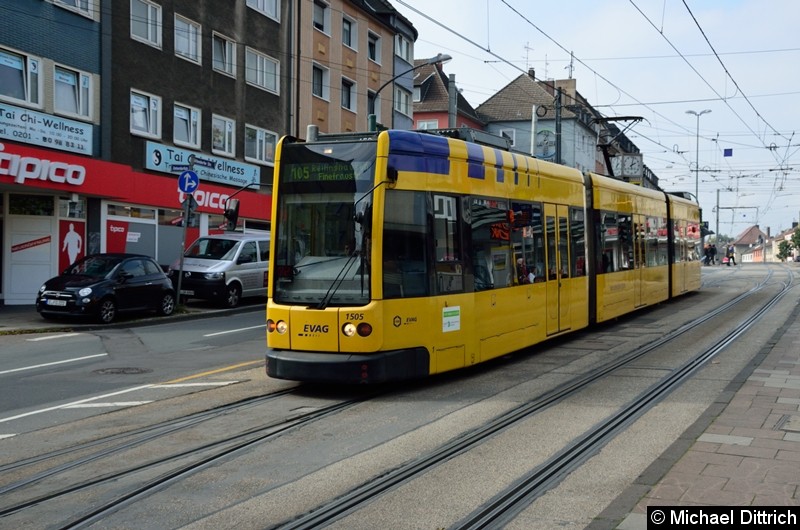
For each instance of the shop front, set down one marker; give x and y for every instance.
(57, 207)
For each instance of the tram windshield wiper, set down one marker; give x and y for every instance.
(340, 278)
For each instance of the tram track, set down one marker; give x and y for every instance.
(198, 457)
(507, 504)
(502, 506)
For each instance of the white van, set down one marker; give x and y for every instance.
(224, 268)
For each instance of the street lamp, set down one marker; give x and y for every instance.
(440, 58)
(697, 154)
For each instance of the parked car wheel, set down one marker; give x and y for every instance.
(108, 311)
(167, 305)
(233, 295)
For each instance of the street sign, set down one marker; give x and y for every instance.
(188, 182)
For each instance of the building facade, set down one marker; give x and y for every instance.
(104, 105)
(346, 55)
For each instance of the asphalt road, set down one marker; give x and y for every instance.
(44, 375)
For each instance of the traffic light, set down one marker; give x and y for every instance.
(231, 213)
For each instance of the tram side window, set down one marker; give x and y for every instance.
(625, 231)
(615, 241)
(663, 241)
(678, 242)
(447, 244)
(527, 241)
(405, 261)
(491, 243)
(577, 241)
(604, 241)
(693, 242)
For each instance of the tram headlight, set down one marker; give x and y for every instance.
(349, 329)
(280, 326)
(362, 329)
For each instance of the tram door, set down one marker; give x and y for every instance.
(558, 269)
(639, 242)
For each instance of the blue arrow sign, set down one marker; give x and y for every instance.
(188, 182)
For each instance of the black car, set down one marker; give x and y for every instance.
(102, 285)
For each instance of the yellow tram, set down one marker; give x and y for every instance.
(402, 254)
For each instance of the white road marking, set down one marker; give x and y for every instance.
(6, 436)
(181, 385)
(65, 405)
(61, 336)
(114, 404)
(33, 367)
(234, 330)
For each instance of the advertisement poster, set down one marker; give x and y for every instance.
(71, 242)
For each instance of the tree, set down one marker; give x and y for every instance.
(796, 238)
(784, 250)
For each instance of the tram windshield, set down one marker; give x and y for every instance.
(323, 223)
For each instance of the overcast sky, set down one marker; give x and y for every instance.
(655, 59)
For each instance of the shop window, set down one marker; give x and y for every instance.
(71, 209)
(30, 205)
(120, 210)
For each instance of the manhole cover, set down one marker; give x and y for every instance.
(124, 371)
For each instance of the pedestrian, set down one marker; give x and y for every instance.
(731, 255)
(714, 254)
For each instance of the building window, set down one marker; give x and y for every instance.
(146, 22)
(423, 125)
(349, 33)
(348, 94)
(417, 93)
(265, 7)
(402, 101)
(403, 49)
(322, 14)
(223, 135)
(259, 144)
(84, 7)
(72, 92)
(224, 50)
(19, 78)
(374, 47)
(187, 39)
(261, 70)
(319, 82)
(186, 126)
(145, 114)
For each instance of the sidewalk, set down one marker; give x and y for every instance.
(16, 319)
(743, 451)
